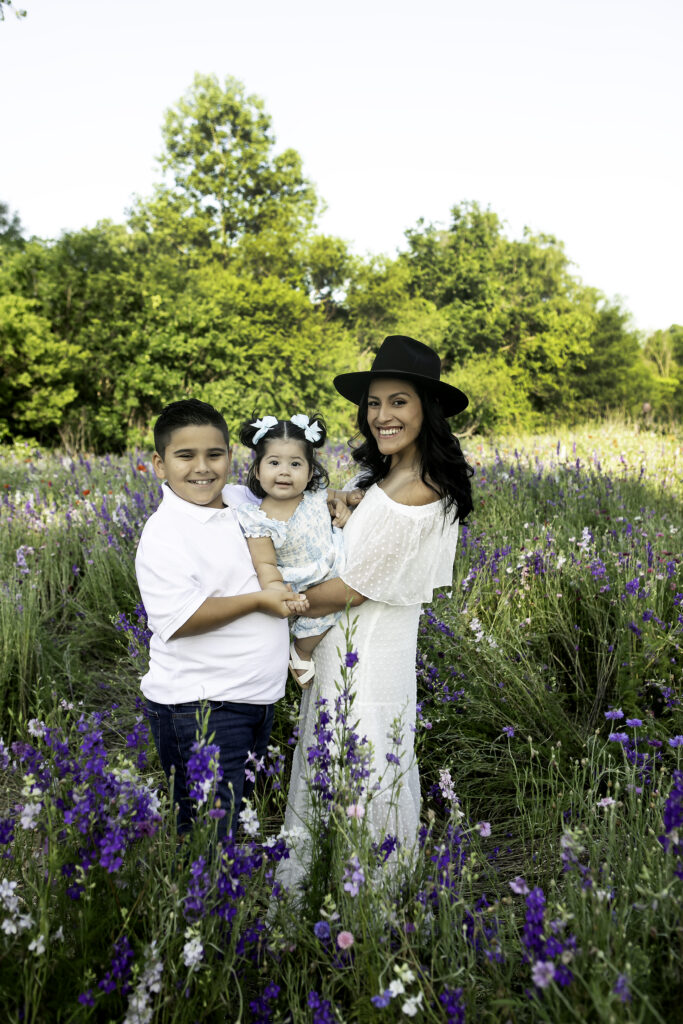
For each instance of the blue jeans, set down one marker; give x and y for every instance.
(236, 728)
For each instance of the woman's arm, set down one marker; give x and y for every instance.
(331, 596)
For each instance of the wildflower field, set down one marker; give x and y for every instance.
(549, 877)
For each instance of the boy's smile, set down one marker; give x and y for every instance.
(195, 465)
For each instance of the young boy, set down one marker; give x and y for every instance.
(219, 643)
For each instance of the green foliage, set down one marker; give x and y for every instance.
(220, 286)
(380, 301)
(516, 302)
(663, 354)
(241, 344)
(11, 231)
(36, 385)
(227, 184)
(6, 4)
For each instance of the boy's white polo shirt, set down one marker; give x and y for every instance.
(186, 554)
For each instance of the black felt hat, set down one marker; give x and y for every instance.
(403, 357)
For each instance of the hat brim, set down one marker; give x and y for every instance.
(353, 386)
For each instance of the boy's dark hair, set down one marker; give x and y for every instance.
(290, 432)
(189, 412)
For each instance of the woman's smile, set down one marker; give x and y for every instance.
(394, 415)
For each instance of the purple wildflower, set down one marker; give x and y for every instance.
(542, 973)
(322, 1010)
(382, 1000)
(519, 886)
(454, 1008)
(621, 989)
(354, 876)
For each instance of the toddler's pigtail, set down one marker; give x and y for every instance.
(246, 434)
(320, 422)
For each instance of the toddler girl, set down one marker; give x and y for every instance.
(294, 536)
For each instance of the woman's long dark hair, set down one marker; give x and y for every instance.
(443, 467)
(290, 432)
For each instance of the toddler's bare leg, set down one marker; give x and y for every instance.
(304, 647)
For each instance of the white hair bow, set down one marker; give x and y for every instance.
(262, 427)
(311, 431)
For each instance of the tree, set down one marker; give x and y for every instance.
(663, 354)
(11, 231)
(89, 287)
(227, 184)
(509, 300)
(381, 300)
(245, 346)
(5, 5)
(36, 382)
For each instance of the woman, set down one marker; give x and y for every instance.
(399, 545)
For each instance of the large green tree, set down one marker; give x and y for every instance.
(225, 184)
(514, 310)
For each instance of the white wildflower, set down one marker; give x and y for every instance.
(36, 728)
(412, 1005)
(405, 974)
(396, 987)
(249, 820)
(9, 898)
(29, 815)
(37, 945)
(446, 785)
(193, 952)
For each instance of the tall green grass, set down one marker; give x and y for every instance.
(565, 608)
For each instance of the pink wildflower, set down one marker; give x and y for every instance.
(345, 940)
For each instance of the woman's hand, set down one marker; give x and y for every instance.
(340, 512)
(342, 503)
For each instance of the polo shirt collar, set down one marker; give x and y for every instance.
(198, 512)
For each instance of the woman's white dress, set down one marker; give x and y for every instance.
(396, 555)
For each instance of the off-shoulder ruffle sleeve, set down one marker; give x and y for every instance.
(256, 523)
(398, 554)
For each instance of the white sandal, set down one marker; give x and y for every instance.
(307, 668)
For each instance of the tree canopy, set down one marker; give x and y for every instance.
(219, 285)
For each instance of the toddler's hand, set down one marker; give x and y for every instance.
(298, 604)
(282, 603)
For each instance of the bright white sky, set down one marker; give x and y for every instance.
(562, 115)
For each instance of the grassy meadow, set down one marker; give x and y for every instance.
(548, 883)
